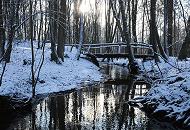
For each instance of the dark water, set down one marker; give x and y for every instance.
(97, 107)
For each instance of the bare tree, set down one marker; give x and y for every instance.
(133, 66)
(110, 29)
(11, 29)
(153, 28)
(32, 48)
(134, 19)
(53, 30)
(62, 30)
(170, 26)
(185, 49)
(41, 25)
(76, 21)
(2, 31)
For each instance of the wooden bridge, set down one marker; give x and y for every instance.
(118, 50)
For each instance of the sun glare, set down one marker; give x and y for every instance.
(86, 6)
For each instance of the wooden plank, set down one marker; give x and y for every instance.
(121, 56)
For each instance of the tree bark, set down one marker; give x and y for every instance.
(11, 31)
(61, 30)
(134, 19)
(41, 25)
(76, 28)
(185, 49)
(170, 27)
(32, 49)
(152, 28)
(81, 36)
(2, 31)
(53, 32)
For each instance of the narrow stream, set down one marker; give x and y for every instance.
(95, 107)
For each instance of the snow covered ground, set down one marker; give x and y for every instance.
(169, 96)
(53, 77)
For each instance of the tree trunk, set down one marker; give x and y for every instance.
(152, 28)
(41, 25)
(170, 27)
(185, 49)
(17, 19)
(161, 49)
(32, 48)
(134, 19)
(129, 18)
(2, 31)
(166, 26)
(76, 16)
(62, 30)
(11, 31)
(81, 36)
(53, 33)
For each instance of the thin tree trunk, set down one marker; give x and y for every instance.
(170, 26)
(32, 48)
(166, 26)
(35, 22)
(81, 36)
(129, 19)
(76, 28)
(143, 21)
(2, 31)
(24, 25)
(41, 25)
(161, 49)
(134, 19)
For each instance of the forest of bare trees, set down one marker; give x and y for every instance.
(164, 24)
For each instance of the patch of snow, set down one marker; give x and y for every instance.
(173, 93)
(68, 75)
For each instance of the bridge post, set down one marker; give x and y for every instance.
(119, 49)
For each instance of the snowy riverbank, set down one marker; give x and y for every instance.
(53, 77)
(169, 97)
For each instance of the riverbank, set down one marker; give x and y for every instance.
(169, 97)
(53, 77)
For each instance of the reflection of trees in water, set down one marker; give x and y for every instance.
(61, 112)
(52, 109)
(34, 121)
(115, 72)
(102, 107)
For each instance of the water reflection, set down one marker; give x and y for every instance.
(97, 107)
(115, 72)
(103, 106)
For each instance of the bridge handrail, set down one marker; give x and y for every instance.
(112, 44)
(101, 46)
(134, 46)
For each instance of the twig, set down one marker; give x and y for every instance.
(158, 67)
(168, 62)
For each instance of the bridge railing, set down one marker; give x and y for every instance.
(118, 48)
